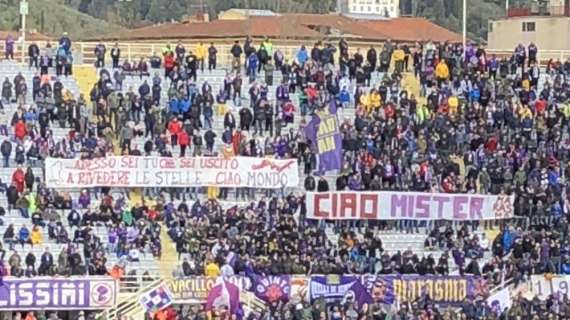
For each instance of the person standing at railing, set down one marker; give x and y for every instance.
(532, 54)
(180, 52)
(520, 56)
(236, 52)
(212, 57)
(65, 43)
(115, 55)
(9, 48)
(100, 51)
(201, 53)
(34, 54)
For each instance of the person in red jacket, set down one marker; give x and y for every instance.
(18, 179)
(174, 128)
(236, 141)
(20, 130)
(169, 62)
(183, 141)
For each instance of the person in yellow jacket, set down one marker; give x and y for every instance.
(441, 72)
(201, 54)
(36, 236)
(453, 103)
(398, 57)
(268, 47)
(211, 269)
(375, 99)
(525, 112)
(365, 102)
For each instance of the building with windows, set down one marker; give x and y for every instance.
(383, 8)
(546, 24)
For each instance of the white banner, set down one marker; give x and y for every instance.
(500, 300)
(129, 171)
(386, 205)
(543, 288)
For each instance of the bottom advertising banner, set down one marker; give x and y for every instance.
(257, 292)
(388, 289)
(47, 293)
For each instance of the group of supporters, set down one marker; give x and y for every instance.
(478, 124)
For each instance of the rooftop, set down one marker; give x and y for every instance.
(296, 26)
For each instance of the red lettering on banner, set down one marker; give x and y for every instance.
(317, 198)
(186, 163)
(334, 205)
(128, 162)
(124, 178)
(82, 177)
(228, 178)
(167, 163)
(70, 178)
(371, 199)
(348, 205)
(221, 178)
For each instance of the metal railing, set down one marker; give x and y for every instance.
(128, 304)
(539, 10)
(543, 55)
(134, 50)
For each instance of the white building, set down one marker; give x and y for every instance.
(384, 8)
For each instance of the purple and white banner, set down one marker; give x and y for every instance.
(388, 205)
(46, 293)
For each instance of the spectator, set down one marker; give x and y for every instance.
(9, 48)
(24, 236)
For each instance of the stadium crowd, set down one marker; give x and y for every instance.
(482, 124)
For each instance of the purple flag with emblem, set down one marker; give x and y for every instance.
(273, 288)
(324, 132)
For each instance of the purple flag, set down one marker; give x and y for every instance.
(224, 294)
(273, 288)
(333, 288)
(324, 132)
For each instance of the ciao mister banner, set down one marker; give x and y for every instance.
(57, 293)
(129, 171)
(385, 205)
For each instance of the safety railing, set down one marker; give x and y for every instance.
(128, 302)
(134, 50)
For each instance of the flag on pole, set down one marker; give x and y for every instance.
(156, 299)
(223, 295)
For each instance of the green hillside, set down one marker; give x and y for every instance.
(53, 18)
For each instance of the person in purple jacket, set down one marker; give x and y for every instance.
(9, 48)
